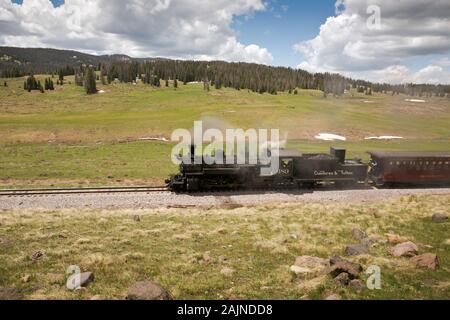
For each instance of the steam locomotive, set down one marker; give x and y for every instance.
(298, 170)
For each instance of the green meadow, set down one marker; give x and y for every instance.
(66, 137)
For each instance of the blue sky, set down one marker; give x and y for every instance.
(285, 23)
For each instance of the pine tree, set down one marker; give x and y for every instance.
(5, 84)
(89, 81)
(61, 76)
(167, 82)
(175, 83)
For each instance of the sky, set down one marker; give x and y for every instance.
(378, 40)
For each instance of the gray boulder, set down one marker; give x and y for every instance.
(148, 290)
(405, 249)
(357, 249)
(439, 217)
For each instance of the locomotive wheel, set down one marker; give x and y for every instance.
(192, 185)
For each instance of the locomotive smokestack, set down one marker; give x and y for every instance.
(338, 153)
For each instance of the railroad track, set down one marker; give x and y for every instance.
(27, 192)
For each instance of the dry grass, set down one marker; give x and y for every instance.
(181, 248)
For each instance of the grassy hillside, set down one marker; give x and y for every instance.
(67, 137)
(186, 249)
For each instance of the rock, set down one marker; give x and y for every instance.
(227, 272)
(147, 290)
(222, 259)
(311, 262)
(356, 285)
(369, 242)
(339, 265)
(407, 249)
(300, 270)
(333, 296)
(395, 238)
(309, 266)
(26, 278)
(358, 234)
(356, 249)
(97, 297)
(207, 257)
(85, 278)
(426, 260)
(439, 217)
(36, 255)
(343, 279)
(137, 218)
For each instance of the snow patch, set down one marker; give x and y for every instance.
(163, 139)
(329, 137)
(415, 100)
(383, 138)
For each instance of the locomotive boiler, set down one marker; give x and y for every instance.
(296, 170)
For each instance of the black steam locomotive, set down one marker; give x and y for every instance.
(307, 170)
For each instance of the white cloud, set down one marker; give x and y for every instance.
(397, 74)
(407, 30)
(192, 29)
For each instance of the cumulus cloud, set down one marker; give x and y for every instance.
(354, 43)
(170, 28)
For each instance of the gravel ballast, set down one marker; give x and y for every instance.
(168, 199)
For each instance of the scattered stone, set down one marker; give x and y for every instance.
(356, 249)
(377, 215)
(207, 257)
(26, 278)
(358, 234)
(77, 281)
(147, 290)
(80, 289)
(395, 238)
(439, 217)
(300, 270)
(405, 249)
(36, 255)
(427, 260)
(370, 241)
(343, 279)
(356, 285)
(311, 262)
(309, 266)
(227, 272)
(222, 259)
(10, 294)
(137, 218)
(339, 265)
(333, 296)
(221, 231)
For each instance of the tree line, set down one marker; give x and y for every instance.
(237, 75)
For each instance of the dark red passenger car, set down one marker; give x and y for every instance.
(390, 168)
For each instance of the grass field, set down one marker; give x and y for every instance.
(68, 138)
(181, 249)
